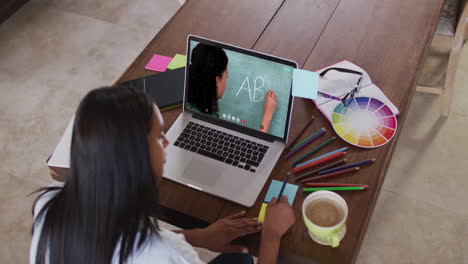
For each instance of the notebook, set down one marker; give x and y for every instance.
(166, 88)
(339, 84)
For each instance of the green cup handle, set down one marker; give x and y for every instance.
(334, 240)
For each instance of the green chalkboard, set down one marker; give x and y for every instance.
(249, 80)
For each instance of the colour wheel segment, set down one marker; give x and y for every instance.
(365, 122)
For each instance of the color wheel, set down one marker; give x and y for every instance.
(365, 122)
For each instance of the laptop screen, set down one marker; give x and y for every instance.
(247, 90)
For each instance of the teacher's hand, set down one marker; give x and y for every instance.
(269, 109)
(219, 235)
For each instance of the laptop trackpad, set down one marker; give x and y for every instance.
(203, 173)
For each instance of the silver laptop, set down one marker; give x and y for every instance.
(224, 142)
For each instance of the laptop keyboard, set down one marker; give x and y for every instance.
(221, 146)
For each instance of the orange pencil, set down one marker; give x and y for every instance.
(318, 162)
(331, 174)
(313, 184)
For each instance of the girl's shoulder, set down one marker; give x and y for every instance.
(46, 195)
(167, 247)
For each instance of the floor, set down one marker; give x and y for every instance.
(54, 51)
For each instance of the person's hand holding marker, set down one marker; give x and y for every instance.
(269, 109)
(279, 218)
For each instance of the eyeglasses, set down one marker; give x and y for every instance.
(348, 98)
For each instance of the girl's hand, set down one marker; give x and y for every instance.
(279, 217)
(219, 235)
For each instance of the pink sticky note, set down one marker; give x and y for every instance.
(158, 63)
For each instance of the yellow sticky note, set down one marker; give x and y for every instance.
(261, 215)
(177, 62)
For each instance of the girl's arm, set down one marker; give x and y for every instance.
(279, 217)
(219, 235)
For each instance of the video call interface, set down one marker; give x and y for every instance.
(239, 88)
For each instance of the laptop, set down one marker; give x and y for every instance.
(226, 142)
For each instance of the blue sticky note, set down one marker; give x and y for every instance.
(305, 84)
(275, 188)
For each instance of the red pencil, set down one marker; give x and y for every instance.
(331, 174)
(318, 162)
(310, 184)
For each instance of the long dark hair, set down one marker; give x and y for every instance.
(207, 63)
(111, 193)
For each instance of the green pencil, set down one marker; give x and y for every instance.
(357, 188)
(309, 137)
(326, 142)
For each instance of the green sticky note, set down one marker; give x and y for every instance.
(275, 187)
(177, 62)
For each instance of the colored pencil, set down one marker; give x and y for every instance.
(309, 174)
(284, 185)
(314, 184)
(298, 135)
(305, 139)
(318, 162)
(326, 142)
(331, 174)
(323, 156)
(310, 140)
(347, 166)
(355, 188)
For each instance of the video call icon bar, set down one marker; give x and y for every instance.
(233, 118)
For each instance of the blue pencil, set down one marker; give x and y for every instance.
(284, 185)
(328, 154)
(356, 164)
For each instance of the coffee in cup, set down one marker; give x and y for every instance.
(324, 213)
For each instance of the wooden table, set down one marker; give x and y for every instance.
(388, 38)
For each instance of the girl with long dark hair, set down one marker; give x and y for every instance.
(106, 210)
(207, 77)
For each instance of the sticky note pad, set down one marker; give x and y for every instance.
(261, 215)
(158, 63)
(177, 62)
(305, 84)
(275, 187)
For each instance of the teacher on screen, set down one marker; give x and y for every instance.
(207, 78)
